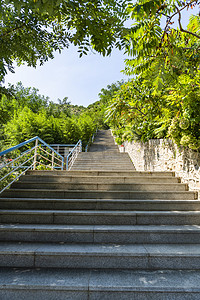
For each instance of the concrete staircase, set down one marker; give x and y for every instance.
(99, 231)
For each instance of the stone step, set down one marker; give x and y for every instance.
(102, 147)
(99, 179)
(93, 204)
(132, 173)
(103, 217)
(107, 139)
(103, 143)
(104, 161)
(97, 284)
(100, 256)
(118, 234)
(103, 168)
(101, 186)
(104, 154)
(99, 231)
(98, 194)
(114, 159)
(106, 143)
(106, 166)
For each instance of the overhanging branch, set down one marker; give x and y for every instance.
(181, 28)
(179, 21)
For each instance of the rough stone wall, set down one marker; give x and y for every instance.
(164, 155)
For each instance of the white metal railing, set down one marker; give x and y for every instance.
(15, 161)
(71, 157)
(91, 140)
(63, 149)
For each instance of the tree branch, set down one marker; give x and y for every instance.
(138, 109)
(180, 25)
(179, 20)
(12, 30)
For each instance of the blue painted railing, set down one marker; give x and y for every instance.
(71, 157)
(14, 162)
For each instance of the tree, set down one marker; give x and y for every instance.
(149, 43)
(164, 98)
(31, 30)
(28, 114)
(133, 110)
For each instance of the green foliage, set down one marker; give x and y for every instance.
(28, 114)
(4, 171)
(137, 112)
(163, 99)
(27, 36)
(31, 30)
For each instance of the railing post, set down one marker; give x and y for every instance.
(35, 155)
(62, 164)
(52, 160)
(67, 163)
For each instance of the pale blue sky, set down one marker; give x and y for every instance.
(79, 79)
(67, 75)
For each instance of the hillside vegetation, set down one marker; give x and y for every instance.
(25, 114)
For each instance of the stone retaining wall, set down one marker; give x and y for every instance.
(164, 155)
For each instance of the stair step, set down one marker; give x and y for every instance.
(100, 256)
(84, 284)
(106, 165)
(93, 204)
(99, 231)
(101, 173)
(89, 217)
(98, 194)
(115, 158)
(109, 161)
(118, 234)
(101, 186)
(109, 168)
(99, 168)
(99, 179)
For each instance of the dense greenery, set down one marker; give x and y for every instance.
(28, 114)
(163, 99)
(31, 30)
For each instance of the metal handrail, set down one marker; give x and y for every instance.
(91, 140)
(63, 145)
(73, 155)
(9, 184)
(63, 149)
(13, 168)
(48, 153)
(13, 160)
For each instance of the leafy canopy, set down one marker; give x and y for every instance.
(163, 99)
(31, 30)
